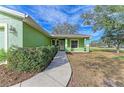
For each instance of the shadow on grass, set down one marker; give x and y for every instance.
(119, 58)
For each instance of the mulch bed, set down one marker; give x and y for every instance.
(8, 77)
(96, 69)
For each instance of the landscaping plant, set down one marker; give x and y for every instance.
(2, 55)
(30, 59)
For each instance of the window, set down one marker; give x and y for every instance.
(57, 43)
(53, 42)
(74, 43)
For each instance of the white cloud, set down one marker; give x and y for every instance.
(53, 14)
(50, 14)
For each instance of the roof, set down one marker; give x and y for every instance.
(71, 36)
(12, 12)
(27, 19)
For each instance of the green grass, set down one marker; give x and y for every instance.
(104, 49)
(2, 55)
(92, 49)
(119, 58)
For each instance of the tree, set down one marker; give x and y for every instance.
(106, 38)
(97, 44)
(114, 37)
(108, 19)
(65, 29)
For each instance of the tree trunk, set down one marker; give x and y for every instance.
(117, 49)
(108, 45)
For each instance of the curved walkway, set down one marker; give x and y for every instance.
(57, 74)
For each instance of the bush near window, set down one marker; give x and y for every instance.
(30, 59)
(2, 55)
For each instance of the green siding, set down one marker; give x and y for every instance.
(11, 21)
(1, 38)
(25, 35)
(33, 37)
(68, 41)
(81, 42)
(81, 47)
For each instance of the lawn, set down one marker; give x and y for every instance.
(119, 58)
(104, 49)
(96, 69)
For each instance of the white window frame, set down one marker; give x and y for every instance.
(74, 40)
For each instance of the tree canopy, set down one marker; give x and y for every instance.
(109, 19)
(65, 29)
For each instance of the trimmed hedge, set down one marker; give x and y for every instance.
(30, 59)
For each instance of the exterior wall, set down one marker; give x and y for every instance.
(13, 23)
(34, 38)
(2, 38)
(81, 47)
(23, 35)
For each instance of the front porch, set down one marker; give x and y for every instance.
(71, 44)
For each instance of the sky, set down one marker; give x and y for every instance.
(49, 16)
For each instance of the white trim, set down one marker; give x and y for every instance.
(25, 18)
(33, 23)
(73, 40)
(5, 36)
(12, 12)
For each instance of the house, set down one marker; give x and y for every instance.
(21, 30)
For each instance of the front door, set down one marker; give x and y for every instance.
(62, 44)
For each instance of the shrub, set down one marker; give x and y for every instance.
(2, 55)
(30, 59)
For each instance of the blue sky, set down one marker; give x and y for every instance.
(49, 16)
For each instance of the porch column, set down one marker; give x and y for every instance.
(86, 44)
(66, 44)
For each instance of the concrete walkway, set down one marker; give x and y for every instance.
(57, 74)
